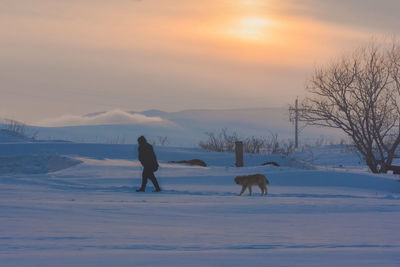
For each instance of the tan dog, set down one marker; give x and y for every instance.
(250, 180)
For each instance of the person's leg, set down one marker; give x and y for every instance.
(145, 174)
(154, 181)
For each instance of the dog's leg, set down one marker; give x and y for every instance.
(262, 189)
(250, 189)
(243, 189)
(265, 190)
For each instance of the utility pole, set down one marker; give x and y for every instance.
(296, 125)
(294, 116)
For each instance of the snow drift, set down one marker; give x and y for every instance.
(35, 164)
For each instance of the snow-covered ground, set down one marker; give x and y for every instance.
(323, 209)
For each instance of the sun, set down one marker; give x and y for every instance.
(251, 28)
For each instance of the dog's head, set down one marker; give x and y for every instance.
(238, 179)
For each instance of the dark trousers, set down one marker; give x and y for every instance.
(149, 174)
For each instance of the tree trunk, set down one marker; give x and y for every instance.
(372, 165)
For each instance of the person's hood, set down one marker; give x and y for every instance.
(142, 140)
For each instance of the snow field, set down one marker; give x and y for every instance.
(89, 215)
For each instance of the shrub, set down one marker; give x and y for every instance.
(225, 142)
(18, 129)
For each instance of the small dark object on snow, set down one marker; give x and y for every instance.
(271, 163)
(395, 169)
(197, 162)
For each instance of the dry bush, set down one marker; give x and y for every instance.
(271, 144)
(18, 129)
(15, 127)
(288, 147)
(253, 145)
(160, 141)
(118, 140)
(225, 142)
(222, 142)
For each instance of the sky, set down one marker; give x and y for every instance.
(72, 57)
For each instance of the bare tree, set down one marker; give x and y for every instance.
(19, 129)
(359, 94)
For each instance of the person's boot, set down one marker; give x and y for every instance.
(157, 186)
(140, 190)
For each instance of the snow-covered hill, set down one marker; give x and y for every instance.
(184, 128)
(18, 157)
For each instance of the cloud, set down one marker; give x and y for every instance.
(370, 14)
(106, 118)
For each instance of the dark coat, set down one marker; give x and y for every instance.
(147, 156)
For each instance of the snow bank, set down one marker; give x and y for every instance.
(35, 164)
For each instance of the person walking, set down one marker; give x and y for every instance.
(148, 159)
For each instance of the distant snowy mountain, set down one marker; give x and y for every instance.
(153, 113)
(183, 128)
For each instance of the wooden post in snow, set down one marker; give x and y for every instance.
(239, 153)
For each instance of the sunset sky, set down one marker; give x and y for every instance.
(62, 57)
